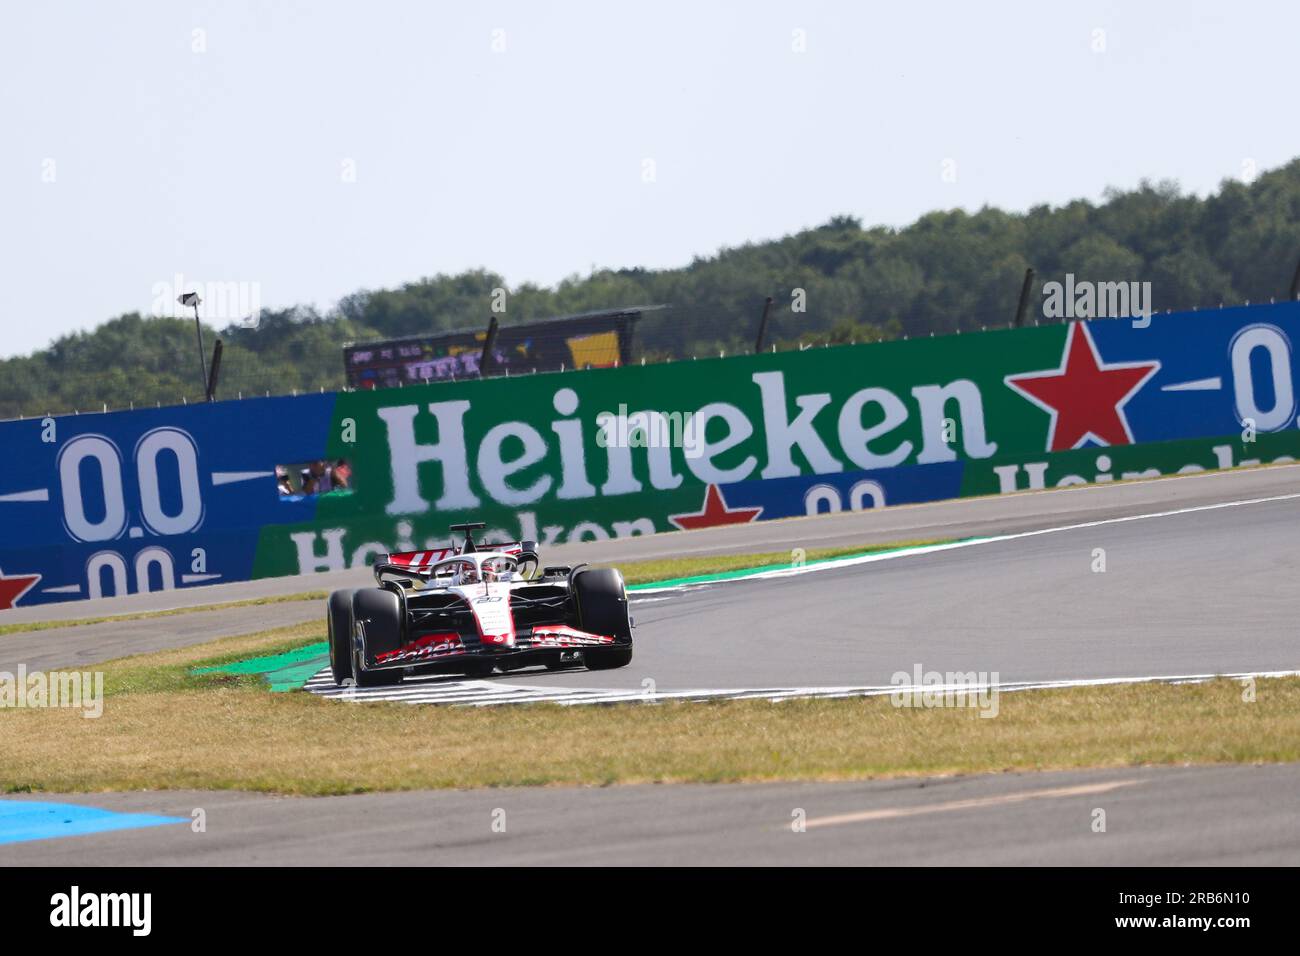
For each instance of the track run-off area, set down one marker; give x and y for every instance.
(1156, 816)
(1177, 578)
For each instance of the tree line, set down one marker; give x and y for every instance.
(948, 271)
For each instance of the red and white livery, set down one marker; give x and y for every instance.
(474, 609)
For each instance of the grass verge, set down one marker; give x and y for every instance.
(169, 612)
(165, 727)
(634, 572)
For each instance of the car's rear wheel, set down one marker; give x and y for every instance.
(602, 609)
(379, 613)
(338, 623)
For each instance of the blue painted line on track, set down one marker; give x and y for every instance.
(22, 820)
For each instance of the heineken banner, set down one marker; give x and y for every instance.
(122, 502)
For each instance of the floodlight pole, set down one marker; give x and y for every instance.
(203, 360)
(214, 371)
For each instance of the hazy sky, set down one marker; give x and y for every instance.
(319, 148)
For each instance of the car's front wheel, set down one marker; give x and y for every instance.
(379, 613)
(602, 609)
(338, 624)
(606, 659)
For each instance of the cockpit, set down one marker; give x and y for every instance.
(471, 569)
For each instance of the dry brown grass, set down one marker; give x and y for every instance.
(164, 727)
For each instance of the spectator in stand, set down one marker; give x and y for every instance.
(341, 474)
(315, 479)
(282, 480)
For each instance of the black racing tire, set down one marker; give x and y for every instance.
(606, 659)
(602, 609)
(379, 612)
(338, 623)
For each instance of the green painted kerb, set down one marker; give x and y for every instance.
(291, 670)
(287, 671)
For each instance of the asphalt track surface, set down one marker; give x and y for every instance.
(81, 646)
(1163, 817)
(1196, 592)
(959, 518)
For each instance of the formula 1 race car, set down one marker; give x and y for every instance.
(476, 608)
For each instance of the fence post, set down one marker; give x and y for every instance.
(762, 325)
(214, 371)
(488, 341)
(1023, 306)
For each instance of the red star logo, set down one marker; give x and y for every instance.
(1085, 396)
(13, 588)
(715, 512)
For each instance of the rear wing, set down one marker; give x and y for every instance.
(421, 562)
(417, 560)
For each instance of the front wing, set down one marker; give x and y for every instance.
(450, 645)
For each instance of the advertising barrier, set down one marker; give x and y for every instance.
(598, 340)
(131, 501)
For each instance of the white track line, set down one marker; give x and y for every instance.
(835, 563)
(481, 693)
(974, 803)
